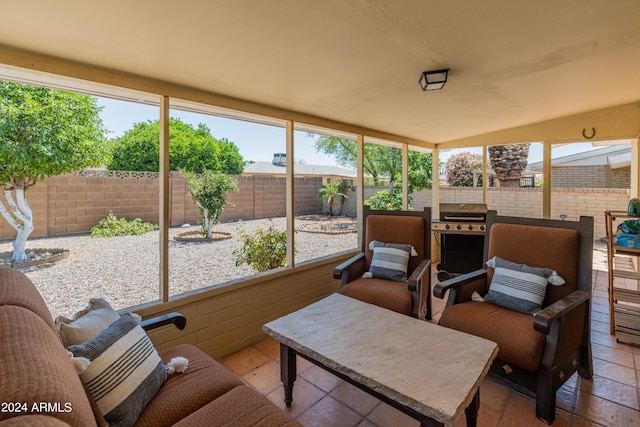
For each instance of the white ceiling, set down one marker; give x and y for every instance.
(513, 62)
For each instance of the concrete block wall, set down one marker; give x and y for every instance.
(224, 320)
(590, 177)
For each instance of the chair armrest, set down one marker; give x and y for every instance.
(176, 319)
(417, 274)
(347, 265)
(456, 282)
(543, 319)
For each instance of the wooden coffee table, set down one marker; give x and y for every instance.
(429, 372)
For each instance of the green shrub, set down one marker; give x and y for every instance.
(112, 226)
(263, 250)
(383, 201)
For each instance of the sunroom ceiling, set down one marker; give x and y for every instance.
(512, 63)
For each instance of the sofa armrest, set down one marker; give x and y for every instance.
(343, 270)
(416, 277)
(543, 320)
(457, 282)
(174, 318)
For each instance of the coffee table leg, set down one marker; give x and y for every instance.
(287, 372)
(472, 410)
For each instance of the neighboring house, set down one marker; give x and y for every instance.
(277, 167)
(607, 167)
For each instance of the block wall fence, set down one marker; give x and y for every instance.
(72, 204)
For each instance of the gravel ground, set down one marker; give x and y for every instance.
(124, 270)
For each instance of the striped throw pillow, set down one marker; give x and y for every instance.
(124, 373)
(390, 260)
(518, 287)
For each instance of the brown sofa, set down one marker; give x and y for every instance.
(40, 387)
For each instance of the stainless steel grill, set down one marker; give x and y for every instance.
(460, 232)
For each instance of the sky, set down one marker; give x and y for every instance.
(259, 142)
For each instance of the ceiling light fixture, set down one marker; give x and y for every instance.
(433, 80)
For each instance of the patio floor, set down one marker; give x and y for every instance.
(323, 400)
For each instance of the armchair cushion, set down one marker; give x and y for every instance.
(499, 325)
(390, 260)
(381, 292)
(518, 287)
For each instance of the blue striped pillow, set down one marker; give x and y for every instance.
(125, 371)
(390, 260)
(518, 287)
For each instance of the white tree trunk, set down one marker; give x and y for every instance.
(20, 219)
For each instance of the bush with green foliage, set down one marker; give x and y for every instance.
(112, 226)
(192, 150)
(459, 168)
(383, 201)
(263, 250)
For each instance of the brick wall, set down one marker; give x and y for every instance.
(74, 203)
(590, 177)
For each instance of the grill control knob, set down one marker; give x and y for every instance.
(482, 228)
(470, 227)
(446, 226)
(458, 227)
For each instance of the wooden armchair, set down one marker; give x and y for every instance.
(537, 353)
(411, 296)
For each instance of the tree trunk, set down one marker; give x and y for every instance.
(508, 162)
(21, 219)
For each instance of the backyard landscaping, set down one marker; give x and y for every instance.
(124, 269)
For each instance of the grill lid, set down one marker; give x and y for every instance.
(463, 211)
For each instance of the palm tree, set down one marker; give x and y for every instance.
(343, 186)
(508, 162)
(328, 193)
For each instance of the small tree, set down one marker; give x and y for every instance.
(343, 186)
(328, 193)
(383, 200)
(209, 193)
(43, 132)
(459, 168)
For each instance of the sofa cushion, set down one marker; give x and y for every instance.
(33, 421)
(17, 289)
(240, 407)
(125, 371)
(500, 325)
(86, 323)
(182, 394)
(34, 367)
(389, 294)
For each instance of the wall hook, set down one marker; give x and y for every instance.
(593, 133)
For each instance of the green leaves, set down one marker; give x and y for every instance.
(209, 191)
(192, 150)
(264, 250)
(46, 132)
(112, 226)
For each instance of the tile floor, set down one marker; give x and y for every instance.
(321, 399)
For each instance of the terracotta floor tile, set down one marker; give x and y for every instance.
(599, 327)
(330, 412)
(264, 378)
(611, 390)
(321, 378)
(600, 317)
(244, 361)
(269, 347)
(578, 421)
(305, 395)
(356, 399)
(618, 373)
(521, 411)
(609, 354)
(494, 395)
(386, 416)
(605, 412)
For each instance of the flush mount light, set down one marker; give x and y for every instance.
(433, 80)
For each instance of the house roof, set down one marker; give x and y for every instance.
(515, 66)
(614, 156)
(269, 168)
